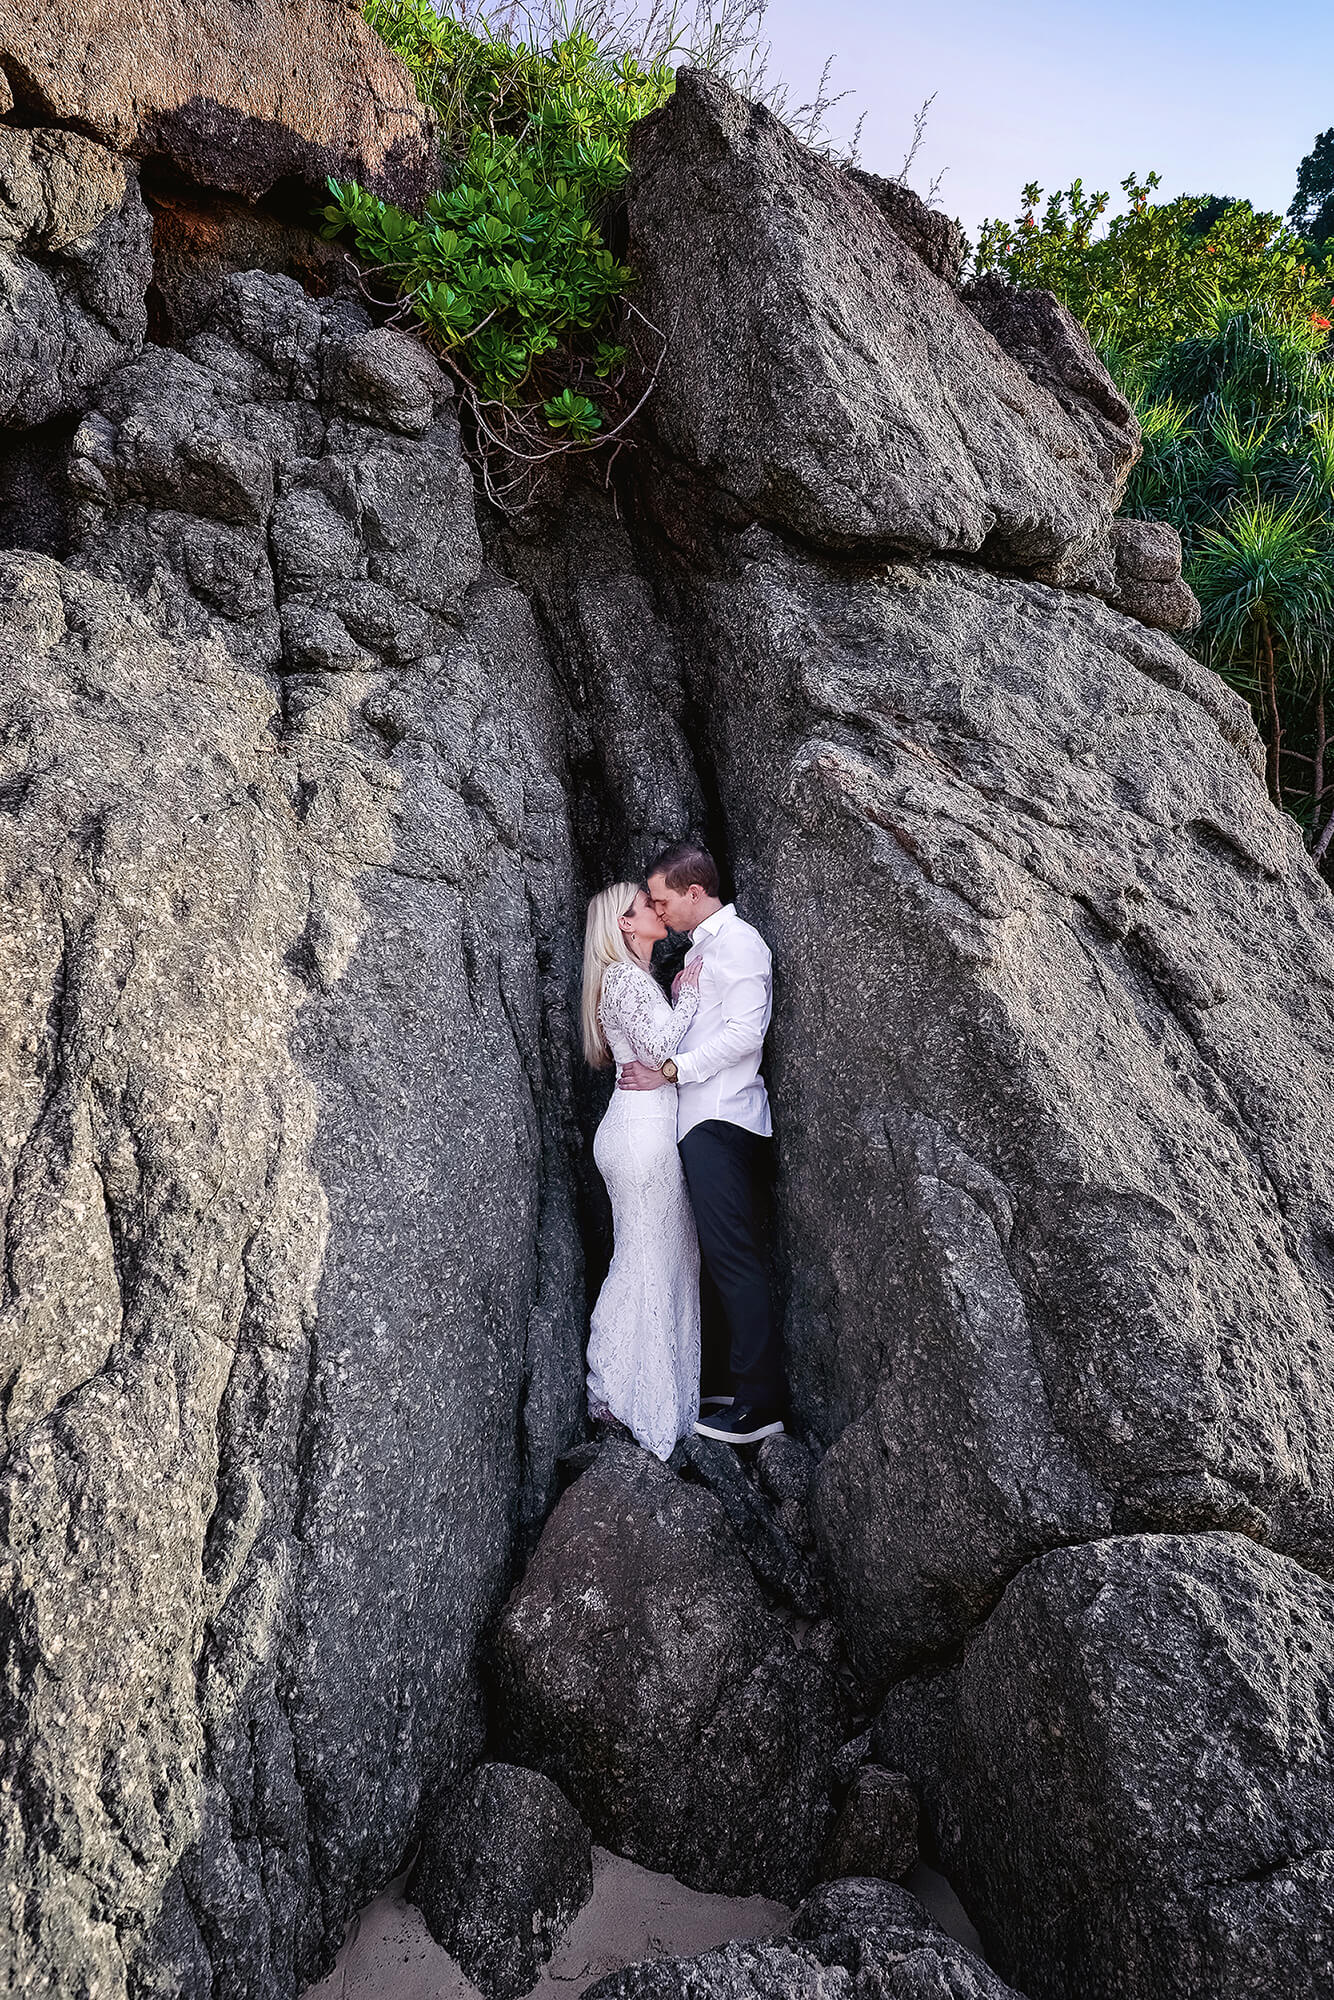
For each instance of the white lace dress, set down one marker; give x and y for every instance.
(643, 1347)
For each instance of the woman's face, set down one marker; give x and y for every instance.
(642, 925)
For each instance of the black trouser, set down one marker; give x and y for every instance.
(726, 1171)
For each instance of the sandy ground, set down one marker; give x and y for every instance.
(634, 1914)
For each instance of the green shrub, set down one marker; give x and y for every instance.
(1152, 277)
(508, 269)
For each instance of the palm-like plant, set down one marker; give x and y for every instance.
(1264, 583)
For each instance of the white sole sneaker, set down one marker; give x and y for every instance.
(751, 1436)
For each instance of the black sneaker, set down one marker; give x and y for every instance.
(716, 1402)
(742, 1424)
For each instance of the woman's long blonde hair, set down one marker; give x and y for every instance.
(604, 945)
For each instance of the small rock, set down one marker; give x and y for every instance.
(876, 1832)
(640, 1666)
(770, 1549)
(786, 1468)
(502, 1874)
(849, 1760)
(861, 1903)
(868, 1939)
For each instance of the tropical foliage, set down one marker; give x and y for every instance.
(1154, 275)
(1312, 210)
(1214, 318)
(509, 264)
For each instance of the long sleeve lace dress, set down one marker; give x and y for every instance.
(643, 1348)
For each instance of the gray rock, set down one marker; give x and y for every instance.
(818, 373)
(639, 1666)
(1055, 1170)
(230, 95)
(1052, 348)
(850, 1758)
(75, 261)
(1137, 566)
(633, 779)
(1149, 584)
(852, 1940)
(1146, 551)
(290, 965)
(1130, 1774)
(935, 237)
(876, 1832)
(295, 485)
(786, 1469)
(772, 1553)
(504, 1870)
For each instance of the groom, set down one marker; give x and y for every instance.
(723, 1129)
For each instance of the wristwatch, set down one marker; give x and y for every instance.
(669, 1070)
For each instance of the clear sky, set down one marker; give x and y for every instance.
(1222, 98)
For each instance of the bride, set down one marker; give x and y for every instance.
(643, 1348)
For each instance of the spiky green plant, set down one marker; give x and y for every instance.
(1264, 583)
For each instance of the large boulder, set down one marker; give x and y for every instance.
(504, 1869)
(1054, 1018)
(229, 93)
(638, 1664)
(287, 961)
(75, 262)
(852, 1940)
(876, 1832)
(821, 377)
(1131, 1774)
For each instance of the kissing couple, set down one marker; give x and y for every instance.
(683, 1149)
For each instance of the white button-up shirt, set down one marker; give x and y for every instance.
(718, 1062)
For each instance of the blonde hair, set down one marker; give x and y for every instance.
(604, 945)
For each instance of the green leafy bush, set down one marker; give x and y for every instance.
(1152, 277)
(508, 269)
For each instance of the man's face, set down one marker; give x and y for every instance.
(678, 908)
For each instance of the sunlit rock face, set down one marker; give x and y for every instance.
(292, 1333)
(226, 95)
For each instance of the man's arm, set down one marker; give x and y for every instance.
(745, 980)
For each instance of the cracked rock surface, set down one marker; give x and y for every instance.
(261, 927)
(1131, 1773)
(74, 268)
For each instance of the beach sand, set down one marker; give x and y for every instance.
(633, 1914)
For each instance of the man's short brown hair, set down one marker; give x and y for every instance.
(684, 864)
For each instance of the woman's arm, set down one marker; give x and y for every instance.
(644, 1015)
